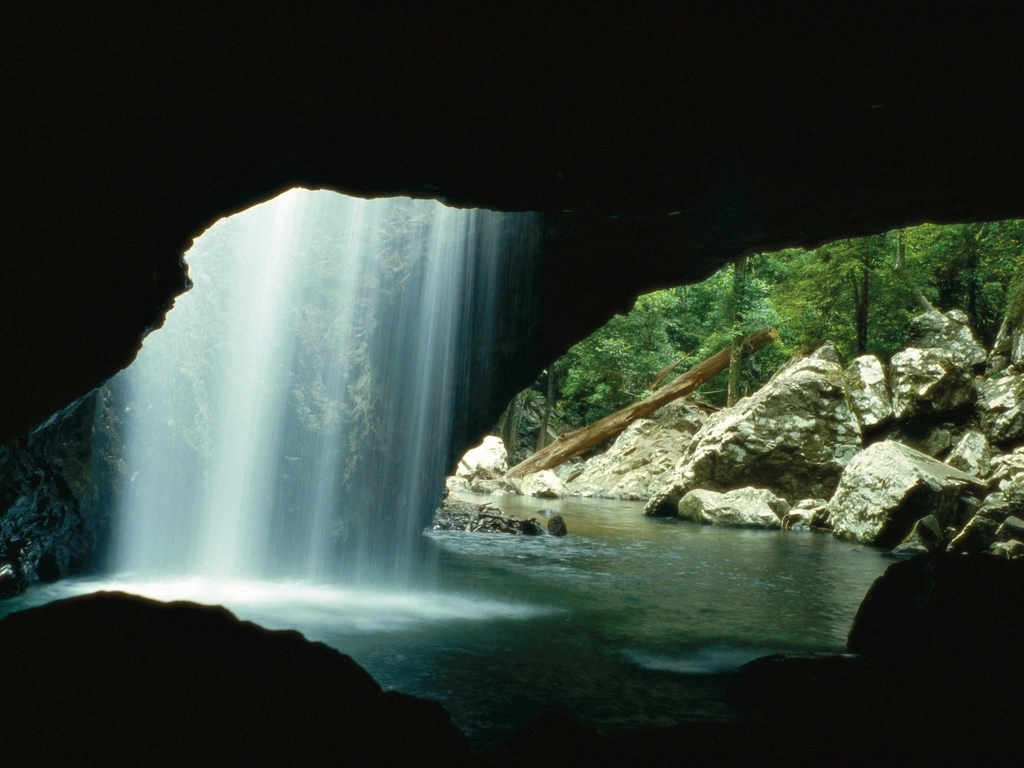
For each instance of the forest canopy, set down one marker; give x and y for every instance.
(859, 293)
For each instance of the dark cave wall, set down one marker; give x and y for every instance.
(56, 487)
(655, 145)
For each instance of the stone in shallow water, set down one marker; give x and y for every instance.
(744, 508)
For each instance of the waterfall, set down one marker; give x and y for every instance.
(292, 418)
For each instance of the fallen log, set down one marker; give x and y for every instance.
(574, 443)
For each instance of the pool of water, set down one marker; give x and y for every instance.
(628, 622)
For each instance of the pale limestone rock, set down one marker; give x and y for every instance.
(972, 454)
(950, 331)
(643, 457)
(890, 486)
(743, 508)
(869, 391)
(794, 437)
(1000, 404)
(490, 456)
(929, 380)
(544, 485)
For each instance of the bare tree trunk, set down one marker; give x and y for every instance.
(739, 272)
(542, 438)
(574, 443)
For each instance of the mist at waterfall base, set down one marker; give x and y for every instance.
(285, 442)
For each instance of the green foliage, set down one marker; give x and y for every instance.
(859, 292)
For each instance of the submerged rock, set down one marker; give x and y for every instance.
(643, 457)
(743, 508)
(793, 437)
(888, 487)
(869, 392)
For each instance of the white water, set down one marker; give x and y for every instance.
(291, 419)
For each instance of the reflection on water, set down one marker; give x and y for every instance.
(625, 623)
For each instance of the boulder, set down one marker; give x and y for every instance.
(888, 487)
(643, 457)
(981, 531)
(128, 681)
(972, 454)
(1010, 550)
(950, 331)
(926, 381)
(544, 485)
(1012, 528)
(926, 536)
(1009, 466)
(942, 605)
(868, 391)
(1002, 349)
(489, 456)
(793, 437)
(999, 404)
(457, 515)
(495, 486)
(743, 508)
(556, 526)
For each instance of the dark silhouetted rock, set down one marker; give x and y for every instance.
(113, 679)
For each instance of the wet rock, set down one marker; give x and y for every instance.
(972, 454)
(643, 457)
(929, 381)
(743, 508)
(926, 536)
(129, 681)
(490, 456)
(56, 490)
(888, 487)
(869, 392)
(544, 485)
(458, 515)
(557, 526)
(793, 437)
(1000, 405)
(950, 331)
